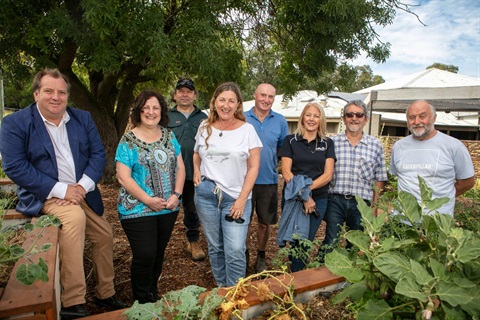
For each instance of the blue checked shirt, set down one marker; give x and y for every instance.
(358, 168)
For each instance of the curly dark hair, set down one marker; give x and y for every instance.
(140, 102)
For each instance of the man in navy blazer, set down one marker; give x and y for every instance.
(55, 155)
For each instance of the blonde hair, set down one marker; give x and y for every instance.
(322, 127)
(213, 115)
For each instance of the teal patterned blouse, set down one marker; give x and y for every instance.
(153, 167)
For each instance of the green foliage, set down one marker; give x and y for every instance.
(411, 263)
(442, 66)
(473, 194)
(2, 173)
(306, 251)
(28, 272)
(111, 49)
(467, 213)
(17, 87)
(350, 79)
(180, 304)
(315, 37)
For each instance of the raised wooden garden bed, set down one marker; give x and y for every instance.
(306, 284)
(13, 218)
(41, 300)
(7, 185)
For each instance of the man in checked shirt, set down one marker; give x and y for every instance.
(360, 164)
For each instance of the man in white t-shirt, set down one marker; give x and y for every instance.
(443, 161)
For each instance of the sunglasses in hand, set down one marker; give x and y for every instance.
(315, 213)
(229, 218)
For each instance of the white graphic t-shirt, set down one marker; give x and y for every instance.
(440, 160)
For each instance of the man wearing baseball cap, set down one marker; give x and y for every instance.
(184, 120)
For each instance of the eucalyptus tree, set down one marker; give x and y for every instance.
(442, 66)
(353, 78)
(111, 48)
(316, 38)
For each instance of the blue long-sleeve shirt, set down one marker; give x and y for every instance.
(293, 220)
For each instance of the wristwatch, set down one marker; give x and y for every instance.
(179, 195)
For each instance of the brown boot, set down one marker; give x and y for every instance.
(196, 251)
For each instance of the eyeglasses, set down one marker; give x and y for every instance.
(229, 218)
(359, 115)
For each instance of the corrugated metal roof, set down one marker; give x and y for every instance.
(430, 78)
(292, 108)
(443, 119)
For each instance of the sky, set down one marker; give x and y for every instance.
(451, 36)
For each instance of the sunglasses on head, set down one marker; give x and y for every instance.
(185, 83)
(229, 218)
(359, 115)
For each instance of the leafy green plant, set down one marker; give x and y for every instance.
(473, 193)
(2, 173)
(185, 303)
(28, 272)
(411, 263)
(178, 305)
(306, 251)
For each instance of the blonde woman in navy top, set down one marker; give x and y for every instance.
(310, 153)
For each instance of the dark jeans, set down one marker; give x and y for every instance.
(148, 237)
(190, 216)
(299, 263)
(341, 210)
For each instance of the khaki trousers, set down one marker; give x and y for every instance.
(80, 222)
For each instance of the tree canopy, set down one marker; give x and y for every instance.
(442, 66)
(351, 79)
(111, 49)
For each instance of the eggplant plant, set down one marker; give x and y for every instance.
(28, 272)
(412, 262)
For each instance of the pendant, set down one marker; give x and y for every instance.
(220, 134)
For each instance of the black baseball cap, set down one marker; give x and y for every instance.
(185, 83)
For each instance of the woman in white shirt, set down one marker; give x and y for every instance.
(226, 162)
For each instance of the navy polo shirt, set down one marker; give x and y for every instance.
(308, 158)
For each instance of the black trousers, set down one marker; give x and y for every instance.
(148, 237)
(190, 216)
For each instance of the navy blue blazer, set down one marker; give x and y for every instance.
(28, 156)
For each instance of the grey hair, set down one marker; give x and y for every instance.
(432, 107)
(358, 103)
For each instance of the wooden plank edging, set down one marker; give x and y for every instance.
(14, 214)
(303, 281)
(6, 181)
(40, 297)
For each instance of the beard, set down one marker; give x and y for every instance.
(420, 132)
(354, 127)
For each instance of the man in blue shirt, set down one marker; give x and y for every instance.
(272, 128)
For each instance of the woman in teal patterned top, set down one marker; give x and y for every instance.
(151, 173)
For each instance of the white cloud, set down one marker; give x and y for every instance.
(451, 36)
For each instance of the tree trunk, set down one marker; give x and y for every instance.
(110, 138)
(104, 120)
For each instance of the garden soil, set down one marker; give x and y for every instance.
(179, 270)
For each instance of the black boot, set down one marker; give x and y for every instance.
(260, 263)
